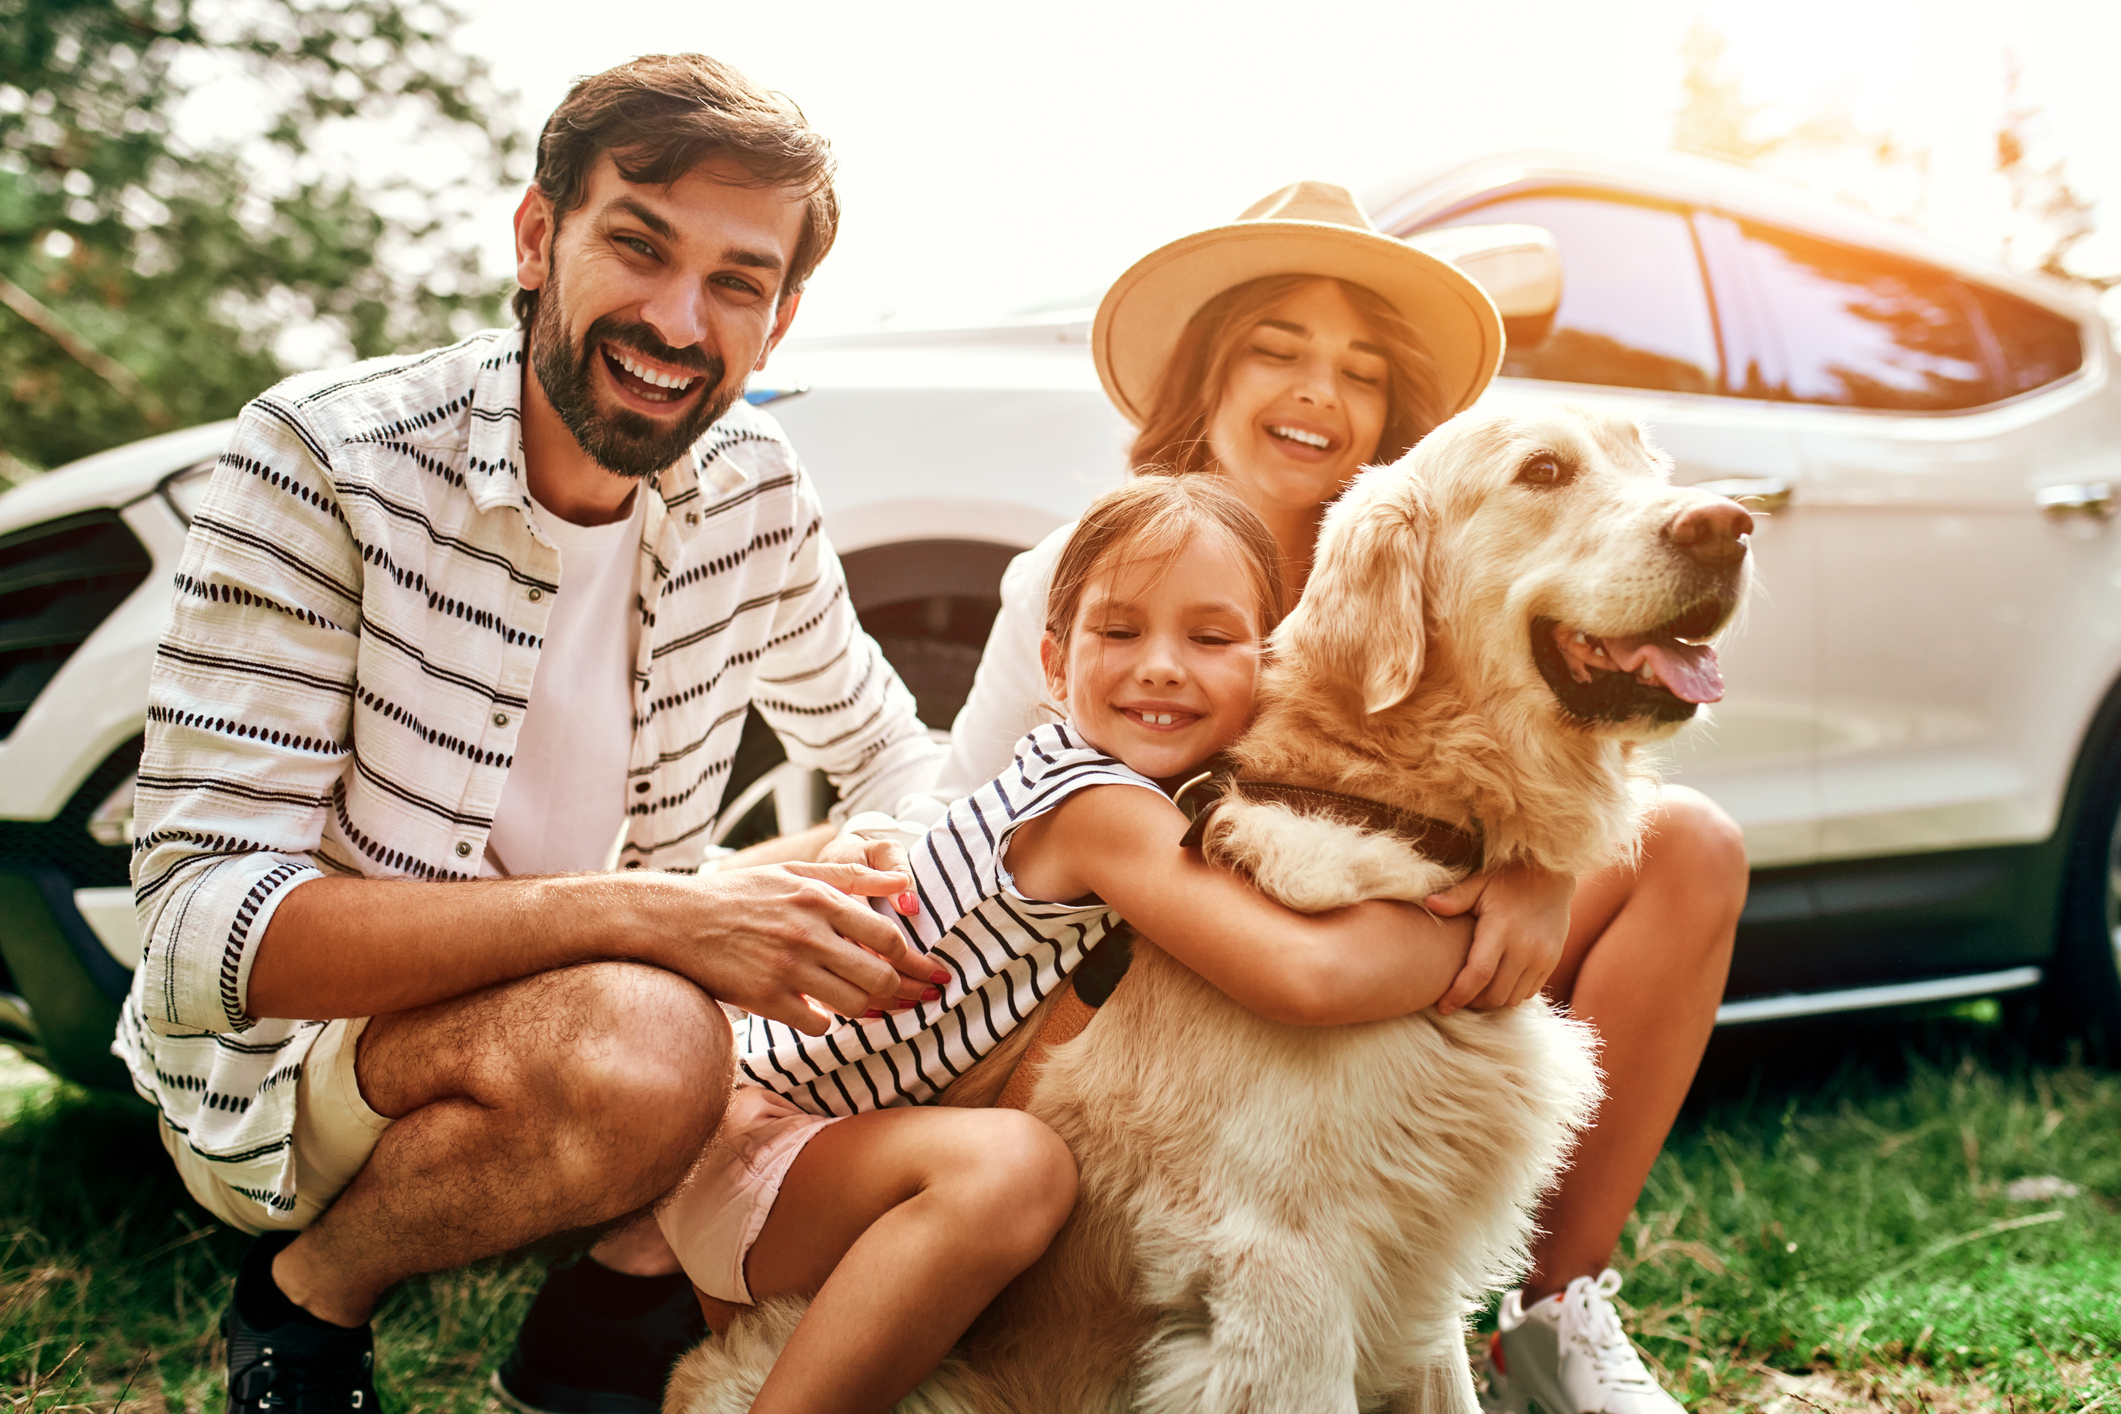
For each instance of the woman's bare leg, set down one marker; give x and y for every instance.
(905, 1223)
(1645, 963)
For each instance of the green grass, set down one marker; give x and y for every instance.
(1836, 1205)
(1828, 1230)
(111, 1280)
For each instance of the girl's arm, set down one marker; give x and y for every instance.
(1366, 962)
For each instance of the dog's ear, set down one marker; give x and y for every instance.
(1359, 626)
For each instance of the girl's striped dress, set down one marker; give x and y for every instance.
(1005, 952)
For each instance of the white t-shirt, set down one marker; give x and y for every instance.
(564, 801)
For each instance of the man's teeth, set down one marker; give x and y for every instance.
(1297, 434)
(649, 375)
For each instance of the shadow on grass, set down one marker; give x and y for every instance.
(112, 1280)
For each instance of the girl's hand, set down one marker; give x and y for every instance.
(850, 846)
(1520, 921)
(916, 984)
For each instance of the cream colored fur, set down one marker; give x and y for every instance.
(1286, 1220)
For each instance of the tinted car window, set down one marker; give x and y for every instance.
(2039, 346)
(1633, 309)
(1861, 329)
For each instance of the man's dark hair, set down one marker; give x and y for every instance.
(662, 115)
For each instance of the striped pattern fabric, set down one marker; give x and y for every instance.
(1005, 952)
(357, 620)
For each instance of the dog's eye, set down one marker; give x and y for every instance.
(1542, 469)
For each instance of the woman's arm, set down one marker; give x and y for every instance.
(1363, 963)
(1007, 690)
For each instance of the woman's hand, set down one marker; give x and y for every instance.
(1520, 921)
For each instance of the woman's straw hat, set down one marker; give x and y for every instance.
(1311, 228)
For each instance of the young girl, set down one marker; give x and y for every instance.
(832, 1174)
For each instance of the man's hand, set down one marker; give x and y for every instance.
(794, 942)
(1521, 921)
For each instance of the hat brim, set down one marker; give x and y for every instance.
(1141, 317)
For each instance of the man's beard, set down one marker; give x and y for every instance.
(624, 442)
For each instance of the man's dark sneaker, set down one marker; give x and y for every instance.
(581, 1351)
(282, 1359)
(299, 1368)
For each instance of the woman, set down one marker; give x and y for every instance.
(1284, 352)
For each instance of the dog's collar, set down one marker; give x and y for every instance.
(1214, 788)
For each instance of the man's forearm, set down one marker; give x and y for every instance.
(361, 947)
(771, 940)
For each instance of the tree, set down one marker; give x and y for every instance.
(154, 281)
(1827, 151)
(2051, 218)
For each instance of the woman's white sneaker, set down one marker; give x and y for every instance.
(1568, 1355)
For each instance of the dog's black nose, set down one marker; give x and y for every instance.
(1712, 532)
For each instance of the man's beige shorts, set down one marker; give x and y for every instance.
(335, 1132)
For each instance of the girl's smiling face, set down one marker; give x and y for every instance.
(1159, 665)
(1303, 401)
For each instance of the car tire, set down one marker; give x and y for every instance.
(2083, 990)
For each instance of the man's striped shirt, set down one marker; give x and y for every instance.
(357, 621)
(1005, 952)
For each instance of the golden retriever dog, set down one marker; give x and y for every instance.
(1286, 1220)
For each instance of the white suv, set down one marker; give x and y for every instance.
(1920, 735)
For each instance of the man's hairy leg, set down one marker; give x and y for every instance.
(551, 1103)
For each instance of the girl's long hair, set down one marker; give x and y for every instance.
(1175, 437)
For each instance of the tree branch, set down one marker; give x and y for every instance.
(81, 350)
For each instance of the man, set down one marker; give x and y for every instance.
(451, 630)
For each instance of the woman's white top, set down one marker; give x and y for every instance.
(1008, 693)
(1005, 952)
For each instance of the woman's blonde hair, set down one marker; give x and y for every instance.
(1156, 514)
(1175, 438)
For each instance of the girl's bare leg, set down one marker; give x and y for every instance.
(1645, 963)
(905, 1223)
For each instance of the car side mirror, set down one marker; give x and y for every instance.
(1519, 267)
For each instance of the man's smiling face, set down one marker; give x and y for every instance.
(654, 304)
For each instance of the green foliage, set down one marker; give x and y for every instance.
(186, 261)
(1832, 1228)
(111, 1281)
(1866, 1231)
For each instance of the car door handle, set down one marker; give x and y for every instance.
(2094, 499)
(1755, 493)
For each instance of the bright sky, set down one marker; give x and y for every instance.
(998, 156)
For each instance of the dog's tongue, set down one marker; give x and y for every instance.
(1687, 670)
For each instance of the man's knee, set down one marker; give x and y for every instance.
(1695, 843)
(613, 1043)
(647, 1041)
